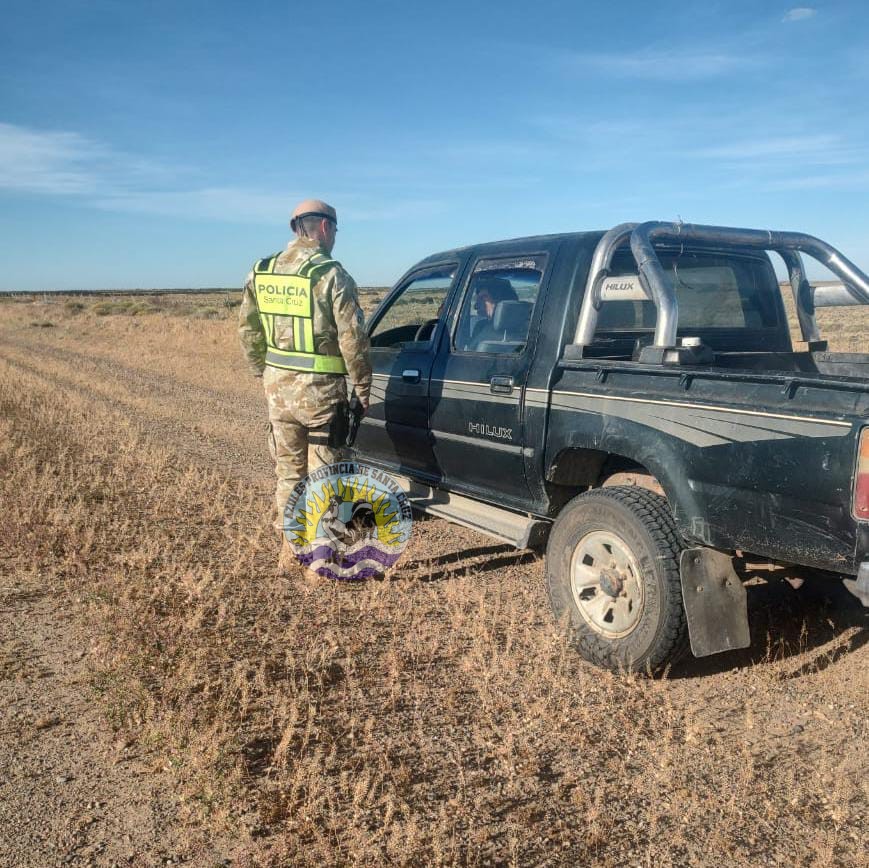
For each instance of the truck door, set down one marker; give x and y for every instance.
(478, 379)
(395, 431)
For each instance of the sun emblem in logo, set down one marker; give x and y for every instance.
(348, 521)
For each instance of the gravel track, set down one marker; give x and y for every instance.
(70, 793)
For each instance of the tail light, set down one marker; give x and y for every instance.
(861, 483)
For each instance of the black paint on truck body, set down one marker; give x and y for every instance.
(755, 451)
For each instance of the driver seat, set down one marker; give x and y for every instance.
(508, 330)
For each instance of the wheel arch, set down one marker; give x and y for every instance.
(581, 468)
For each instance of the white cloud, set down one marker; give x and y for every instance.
(800, 13)
(818, 145)
(64, 163)
(251, 206)
(67, 164)
(578, 129)
(211, 203)
(668, 64)
(47, 162)
(486, 151)
(786, 155)
(855, 182)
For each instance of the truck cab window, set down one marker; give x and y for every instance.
(499, 300)
(722, 298)
(413, 314)
(714, 291)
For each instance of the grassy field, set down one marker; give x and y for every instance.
(432, 718)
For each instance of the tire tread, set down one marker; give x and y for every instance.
(653, 511)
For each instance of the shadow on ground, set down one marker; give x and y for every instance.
(820, 619)
(464, 562)
(785, 623)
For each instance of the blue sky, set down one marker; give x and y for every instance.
(164, 144)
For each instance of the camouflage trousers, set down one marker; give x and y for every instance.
(299, 437)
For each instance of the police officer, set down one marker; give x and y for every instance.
(302, 331)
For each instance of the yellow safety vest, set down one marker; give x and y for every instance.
(292, 295)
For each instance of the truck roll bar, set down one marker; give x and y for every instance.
(854, 288)
(598, 272)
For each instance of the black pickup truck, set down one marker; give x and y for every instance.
(632, 399)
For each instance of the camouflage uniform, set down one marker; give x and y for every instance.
(302, 405)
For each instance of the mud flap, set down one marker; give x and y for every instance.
(715, 602)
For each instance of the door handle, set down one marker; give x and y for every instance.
(410, 375)
(501, 385)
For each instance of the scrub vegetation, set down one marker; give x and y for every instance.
(216, 305)
(434, 717)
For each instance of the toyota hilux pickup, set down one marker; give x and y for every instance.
(632, 400)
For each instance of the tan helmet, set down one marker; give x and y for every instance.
(313, 208)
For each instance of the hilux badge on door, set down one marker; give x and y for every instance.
(483, 430)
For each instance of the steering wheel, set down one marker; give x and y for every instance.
(428, 324)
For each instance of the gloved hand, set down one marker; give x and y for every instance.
(355, 411)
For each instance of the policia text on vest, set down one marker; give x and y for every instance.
(291, 295)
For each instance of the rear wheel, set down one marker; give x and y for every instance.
(612, 571)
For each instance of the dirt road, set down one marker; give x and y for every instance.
(760, 754)
(72, 792)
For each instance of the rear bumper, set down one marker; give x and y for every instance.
(859, 587)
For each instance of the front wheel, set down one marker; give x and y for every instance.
(612, 571)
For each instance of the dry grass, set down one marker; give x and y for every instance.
(846, 329)
(217, 305)
(435, 718)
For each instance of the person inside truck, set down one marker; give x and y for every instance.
(489, 291)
